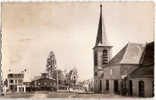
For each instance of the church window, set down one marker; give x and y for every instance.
(105, 57)
(95, 74)
(95, 58)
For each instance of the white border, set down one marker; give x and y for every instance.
(76, 0)
(92, 1)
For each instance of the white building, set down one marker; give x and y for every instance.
(15, 82)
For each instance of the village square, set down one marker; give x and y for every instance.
(127, 74)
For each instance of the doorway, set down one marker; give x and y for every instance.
(116, 86)
(130, 88)
(100, 85)
(107, 85)
(141, 88)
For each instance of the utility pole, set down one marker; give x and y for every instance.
(57, 80)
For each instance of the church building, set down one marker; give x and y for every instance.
(121, 74)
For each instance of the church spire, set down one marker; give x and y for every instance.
(101, 38)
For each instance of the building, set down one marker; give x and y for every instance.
(15, 82)
(141, 80)
(102, 54)
(43, 83)
(120, 74)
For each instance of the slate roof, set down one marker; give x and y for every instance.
(143, 72)
(148, 57)
(130, 54)
(101, 39)
(146, 69)
(118, 57)
(133, 54)
(36, 77)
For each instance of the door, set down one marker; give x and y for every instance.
(130, 88)
(107, 85)
(100, 86)
(152, 88)
(116, 86)
(141, 88)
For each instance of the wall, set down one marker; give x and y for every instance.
(115, 72)
(147, 87)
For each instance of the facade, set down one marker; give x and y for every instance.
(27, 86)
(141, 80)
(15, 82)
(116, 75)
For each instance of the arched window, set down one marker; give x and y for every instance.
(105, 57)
(141, 88)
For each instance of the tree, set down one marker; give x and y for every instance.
(51, 65)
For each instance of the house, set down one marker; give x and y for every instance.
(15, 82)
(44, 83)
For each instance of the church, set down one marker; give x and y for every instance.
(129, 72)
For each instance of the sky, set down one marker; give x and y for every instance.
(31, 30)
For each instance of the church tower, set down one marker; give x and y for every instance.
(102, 54)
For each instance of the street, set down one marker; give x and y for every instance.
(39, 95)
(46, 94)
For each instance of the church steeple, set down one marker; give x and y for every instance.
(101, 37)
(102, 49)
(102, 53)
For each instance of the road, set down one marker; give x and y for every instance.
(46, 94)
(39, 95)
(72, 95)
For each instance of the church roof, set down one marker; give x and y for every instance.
(146, 69)
(133, 53)
(130, 54)
(143, 72)
(101, 39)
(118, 57)
(148, 57)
